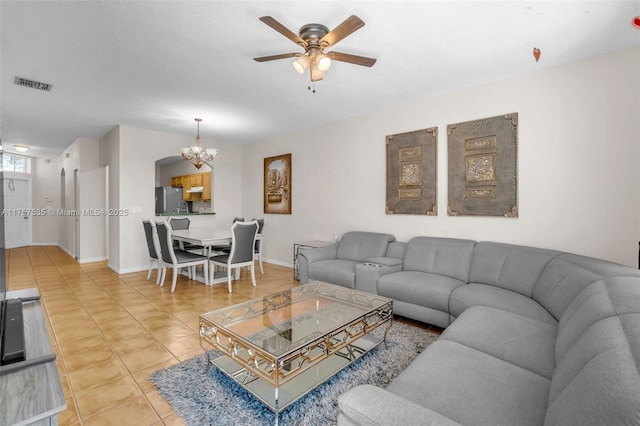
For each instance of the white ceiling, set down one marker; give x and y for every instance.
(158, 65)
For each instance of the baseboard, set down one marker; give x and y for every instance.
(127, 270)
(63, 248)
(138, 268)
(277, 262)
(66, 250)
(88, 260)
(93, 259)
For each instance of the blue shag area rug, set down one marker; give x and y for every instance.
(202, 395)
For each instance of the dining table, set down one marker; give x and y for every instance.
(207, 238)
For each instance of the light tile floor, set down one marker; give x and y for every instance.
(110, 331)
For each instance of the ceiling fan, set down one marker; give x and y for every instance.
(314, 39)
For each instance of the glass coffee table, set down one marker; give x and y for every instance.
(282, 346)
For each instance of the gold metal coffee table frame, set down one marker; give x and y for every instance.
(284, 345)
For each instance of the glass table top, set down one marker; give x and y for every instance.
(285, 321)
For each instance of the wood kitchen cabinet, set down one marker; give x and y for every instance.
(186, 186)
(206, 186)
(187, 182)
(196, 179)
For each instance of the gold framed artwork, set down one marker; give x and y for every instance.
(412, 172)
(483, 167)
(277, 184)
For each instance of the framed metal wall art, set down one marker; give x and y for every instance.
(483, 167)
(277, 184)
(412, 172)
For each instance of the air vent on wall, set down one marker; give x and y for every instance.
(32, 84)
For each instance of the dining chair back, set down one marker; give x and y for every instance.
(243, 240)
(226, 248)
(180, 222)
(258, 246)
(184, 223)
(177, 259)
(153, 245)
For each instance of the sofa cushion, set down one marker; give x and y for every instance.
(598, 382)
(396, 249)
(597, 377)
(420, 288)
(336, 271)
(519, 340)
(601, 300)
(389, 409)
(568, 274)
(472, 387)
(487, 295)
(444, 256)
(515, 268)
(421, 313)
(359, 246)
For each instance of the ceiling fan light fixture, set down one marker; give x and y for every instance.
(315, 73)
(301, 64)
(314, 39)
(323, 61)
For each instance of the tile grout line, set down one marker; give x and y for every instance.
(129, 373)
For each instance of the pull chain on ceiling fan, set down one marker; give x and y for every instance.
(314, 39)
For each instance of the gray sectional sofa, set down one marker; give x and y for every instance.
(533, 336)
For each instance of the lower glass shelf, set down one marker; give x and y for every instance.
(294, 389)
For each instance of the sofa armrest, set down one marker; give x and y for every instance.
(367, 273)
(370, 405)
(307, 256)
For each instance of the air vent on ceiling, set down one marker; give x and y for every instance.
(32, 84)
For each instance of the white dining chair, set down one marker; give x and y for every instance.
(243, 241)
(153, 245)
(259, 242)
(177, 259)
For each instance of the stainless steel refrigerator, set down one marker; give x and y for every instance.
(168, 200)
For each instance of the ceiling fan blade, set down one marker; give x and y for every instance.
(351, 24)
(283, 30)
(352, 59)
(274, 57)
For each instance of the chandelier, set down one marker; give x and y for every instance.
(196, 154)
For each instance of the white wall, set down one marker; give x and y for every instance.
(579, 179)
(55, 227)
(109, 157)
(92, 224)
(133, 152)
(46, 185)
(82, 155)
